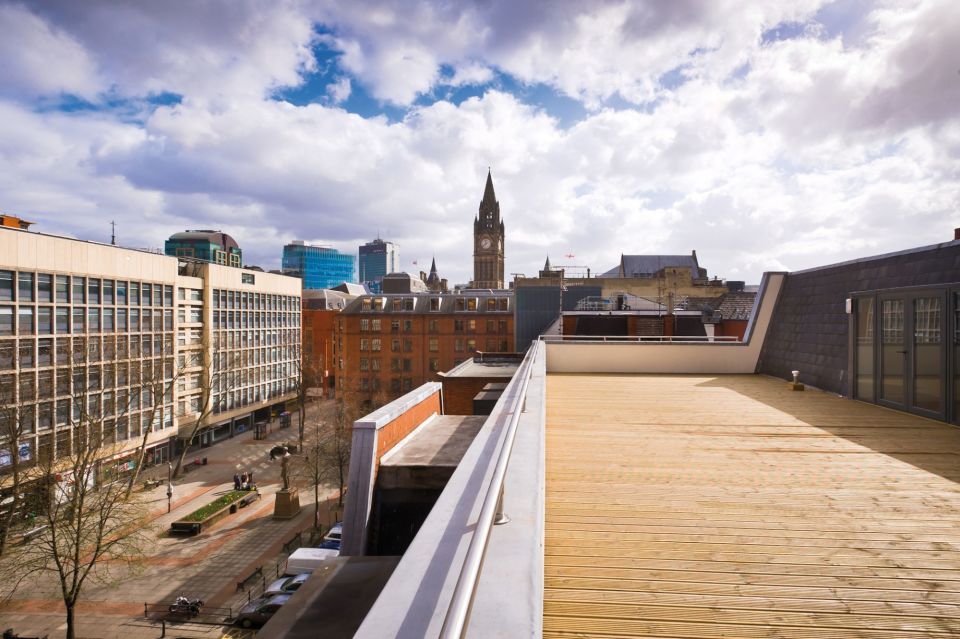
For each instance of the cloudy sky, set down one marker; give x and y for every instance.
(767, 136)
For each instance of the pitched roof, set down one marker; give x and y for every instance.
(488, 194)
(737, 306)
(641, 265)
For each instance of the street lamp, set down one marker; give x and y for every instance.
(169, 485)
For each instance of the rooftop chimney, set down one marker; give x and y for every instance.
(956, 234)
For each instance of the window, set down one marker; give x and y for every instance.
(364, 364)
(364, 324)
(491, 326)
(491, 304)
(6, 286)
(407, 364)
(394, 326)
(6, 320)
(93, 319)
(375, 345)
(503, 303)
(472, 326)
(365, 304)
(395, 345)
(433, 326)
(108, 325)
(375, 324)
(63, 289)
(458, 325)
(461, 304)
(434, 344)
(491, 345)
(408, 346)
(471, 345)
(397, 304)
(63, 319)
(45, 352)
(407, 385)
(108, 291)
(407, 326)
(135, 293)
(26, 353)
(45, 320)
(25, 320)
(146, 292)
(434, 304)
(395, 384)
(246, 278)
(458, 345)
(168, 295)
(364, 344)
(121, 293)
(93, 291)
(79, 290)
(158, 295)
(25, 287)
(471, 303)
(434, 365)
(6, 356)
(395, 364)
(44, 288)
(408, 303)
(121, 320)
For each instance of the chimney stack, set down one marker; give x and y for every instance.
(956, 234)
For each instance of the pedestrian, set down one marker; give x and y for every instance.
(250, 479)
(236, 481)
(243, 480)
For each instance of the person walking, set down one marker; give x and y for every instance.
(236, 481)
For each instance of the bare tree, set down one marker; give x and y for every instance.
(11, 464)
(89, 524)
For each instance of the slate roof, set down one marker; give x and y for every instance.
(737, 306)
(641, 265)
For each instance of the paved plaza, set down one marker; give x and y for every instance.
(207, 566)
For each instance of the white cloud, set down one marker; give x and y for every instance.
(822, 149)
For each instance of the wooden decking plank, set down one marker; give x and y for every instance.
(699, 506)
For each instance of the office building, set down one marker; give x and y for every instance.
(377, 259)
(318, 266)
(137, 342)
(210, 246)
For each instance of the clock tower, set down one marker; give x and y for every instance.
(488, 239)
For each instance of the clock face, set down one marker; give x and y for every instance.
(485, 243)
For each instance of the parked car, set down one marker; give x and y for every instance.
(334, 533)
(286, 585)
(258, 612)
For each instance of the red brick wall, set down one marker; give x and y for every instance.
(458, 392)
(403, 425)
(735, 328)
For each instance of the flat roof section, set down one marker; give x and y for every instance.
(437, 444)
(729, 506)
(471, 368)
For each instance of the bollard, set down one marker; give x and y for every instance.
(163, 627)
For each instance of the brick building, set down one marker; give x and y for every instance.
(320, 311)
(391, 344)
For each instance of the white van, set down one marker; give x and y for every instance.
(307, 560)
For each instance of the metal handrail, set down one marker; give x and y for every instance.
(458, 613)
(653, 339)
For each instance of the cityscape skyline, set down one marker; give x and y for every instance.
(628, 128)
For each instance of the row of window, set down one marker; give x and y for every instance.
(47, 320)
(253, 319)
(256, 339)
(25, 286)
(37, 353)
(252, 395)
(374, 325)
(408, 304)
(246, 300)
(433, 345)
(94, 409)
(153, 376)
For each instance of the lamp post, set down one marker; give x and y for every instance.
(169, 485)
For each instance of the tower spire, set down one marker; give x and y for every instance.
(488, 194)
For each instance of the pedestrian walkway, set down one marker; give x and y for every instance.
(206, 566)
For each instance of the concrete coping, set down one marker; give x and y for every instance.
(383, 416)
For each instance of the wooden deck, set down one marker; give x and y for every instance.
(729, 506)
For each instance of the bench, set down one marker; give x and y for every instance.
(242, 584)
(33, 533)
(249, 499)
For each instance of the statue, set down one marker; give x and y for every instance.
(285, 471)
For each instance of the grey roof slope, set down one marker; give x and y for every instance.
(737, 306)
(639, 265)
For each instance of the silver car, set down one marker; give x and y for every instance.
(286, 585)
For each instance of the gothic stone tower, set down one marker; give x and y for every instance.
(488, 239)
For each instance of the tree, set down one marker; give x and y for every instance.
(89, 525)
(11, 464)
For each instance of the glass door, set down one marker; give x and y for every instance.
(927, 356)
(893, 352)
